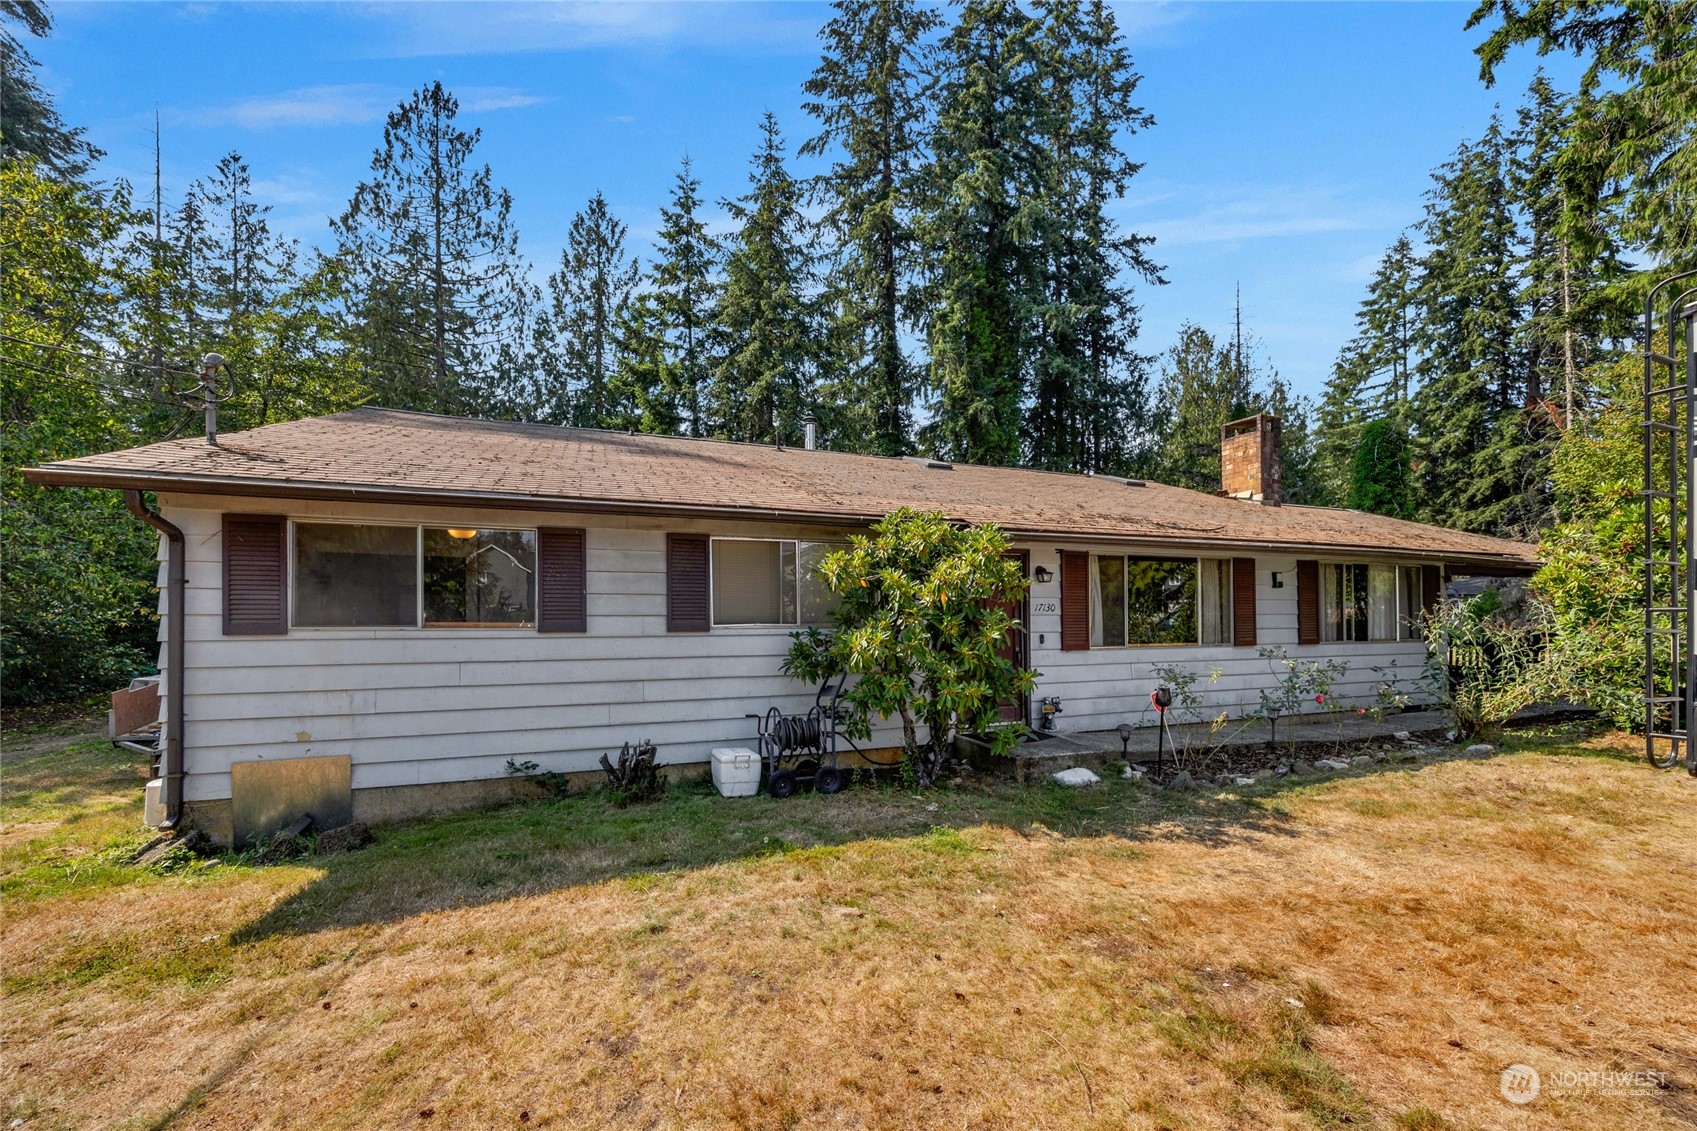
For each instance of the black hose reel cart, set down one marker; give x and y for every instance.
(801, 750)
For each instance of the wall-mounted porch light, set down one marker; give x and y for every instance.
(1042, 575)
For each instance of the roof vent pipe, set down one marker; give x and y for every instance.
(209, 367)
(810, 431)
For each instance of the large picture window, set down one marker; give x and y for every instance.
(1136, 600)
(769, 581)
(1358, 601)
(353, 575)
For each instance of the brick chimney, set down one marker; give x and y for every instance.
(1250, 465)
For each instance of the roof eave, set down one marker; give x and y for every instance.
(61, 475)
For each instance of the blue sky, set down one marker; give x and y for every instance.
(1292, 141)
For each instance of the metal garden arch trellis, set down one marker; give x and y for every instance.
(1670, 494)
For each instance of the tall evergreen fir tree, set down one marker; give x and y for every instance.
(440, 292)
(1372, 376)
(1630, 142)
(579, 333)
(1570, 316)
(677, 308)
(150, 334)
(1379, 472)
(638, 389)
(1088, 381)
(1202, 387)
(30, 126)
(1207, 381)
(1468, 414)
(246, 268)
(767, 354)
(983, 231)
(869, 95)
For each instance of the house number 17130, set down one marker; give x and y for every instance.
(1045, 607)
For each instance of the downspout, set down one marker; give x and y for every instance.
(176, 586)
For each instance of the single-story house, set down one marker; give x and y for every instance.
(391, 605)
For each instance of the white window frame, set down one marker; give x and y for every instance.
(417, 624)
(1402, 633)
(1230, 604)
(713, 589)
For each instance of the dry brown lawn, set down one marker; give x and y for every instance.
(1370, 950)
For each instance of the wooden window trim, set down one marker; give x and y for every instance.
(562, 579)
(1243, 602)
(1075, 601)
(1308, 601)
(689, 583)
(231, 531)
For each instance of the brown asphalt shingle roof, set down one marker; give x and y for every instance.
(377, 454)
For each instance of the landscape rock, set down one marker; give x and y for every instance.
(1404, 756)
(1182, 780)
(345, 838)
(1361, 760)
(1240, 781)
(1403, 736)
(1077, 776)
(1479, 750)
(1262, 774)
(1132, 773)
(1330, 765)
(1302, 769)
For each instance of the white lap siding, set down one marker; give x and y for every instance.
(415, 706)
(1103, 687)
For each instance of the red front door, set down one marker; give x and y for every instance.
(1014, 648)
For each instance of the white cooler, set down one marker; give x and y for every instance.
(736, 771)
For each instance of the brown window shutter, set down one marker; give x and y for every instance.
(560, 580)
(1307, 602)
(1431, 582)
(1075, 601)
(1243, 602)
(687, 607)
(256, 575)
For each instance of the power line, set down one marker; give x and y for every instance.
(120, 390)
(103, 359)
(111, 390)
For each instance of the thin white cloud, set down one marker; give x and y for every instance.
(483, 99)
(1256, 213)
(499, 28)
(307, 106)
(1138, 19)
(340, 105)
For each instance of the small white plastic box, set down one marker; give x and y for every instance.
(736, 771)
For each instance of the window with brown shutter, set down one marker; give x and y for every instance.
(255, 575)
(1075, 601)
(561, 577)
(687, 606)
(1308, 602)
(1243, 602)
